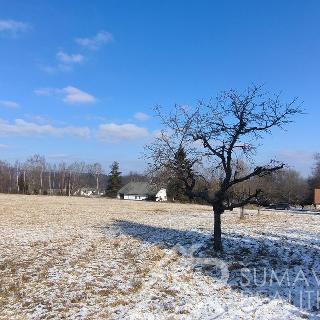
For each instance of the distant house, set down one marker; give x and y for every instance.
(87, 192)
(142, 191)
(317, 198)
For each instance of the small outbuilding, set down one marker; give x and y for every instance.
(142, 191)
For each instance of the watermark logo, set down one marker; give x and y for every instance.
(298, 286)
(215, 264)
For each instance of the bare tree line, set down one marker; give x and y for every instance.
(37, 176)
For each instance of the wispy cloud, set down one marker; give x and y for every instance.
(40, 119)
(65, 62)
(54, 69)
(95, 42)
(13, 27)
(141, 116)
(76, 96)
(69, 58)
(111, 132)
(46, 91)
(3, 146)
(21, 127)
(70, 95)
(9, 104)
(92, 117)
(49, 69)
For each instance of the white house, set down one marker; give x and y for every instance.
(87, 192)
(142, 191)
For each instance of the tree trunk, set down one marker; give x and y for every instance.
(242, 213)
(189, 193)
(10, 178)
(49, 182)
(24, 181)
(69, 184)
(41, 191)
(17, 180)
(217, 242)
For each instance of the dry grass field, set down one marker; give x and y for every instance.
(82, 258)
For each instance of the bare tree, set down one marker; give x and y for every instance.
(35, 167)
(285, 185)
(49, 179)
(76, 175)
(314, 179)
(96, 171)
(172, 157)
(61, 176)
(5, 177)
(17, 166)
(228, 129)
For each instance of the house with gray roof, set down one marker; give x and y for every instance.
(142, 191)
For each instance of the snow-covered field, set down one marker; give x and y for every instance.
(79, 258)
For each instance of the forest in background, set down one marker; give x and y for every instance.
(38, 176)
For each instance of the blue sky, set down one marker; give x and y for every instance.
(78, 79)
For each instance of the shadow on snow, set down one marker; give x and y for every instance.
(268, 265)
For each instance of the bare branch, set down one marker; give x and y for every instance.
(245, 201)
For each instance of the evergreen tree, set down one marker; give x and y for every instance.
(114, 181)
(184, 171)
(176, 190)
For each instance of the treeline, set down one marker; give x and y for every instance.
(289, 186)
(38, 176)
(286, 185)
